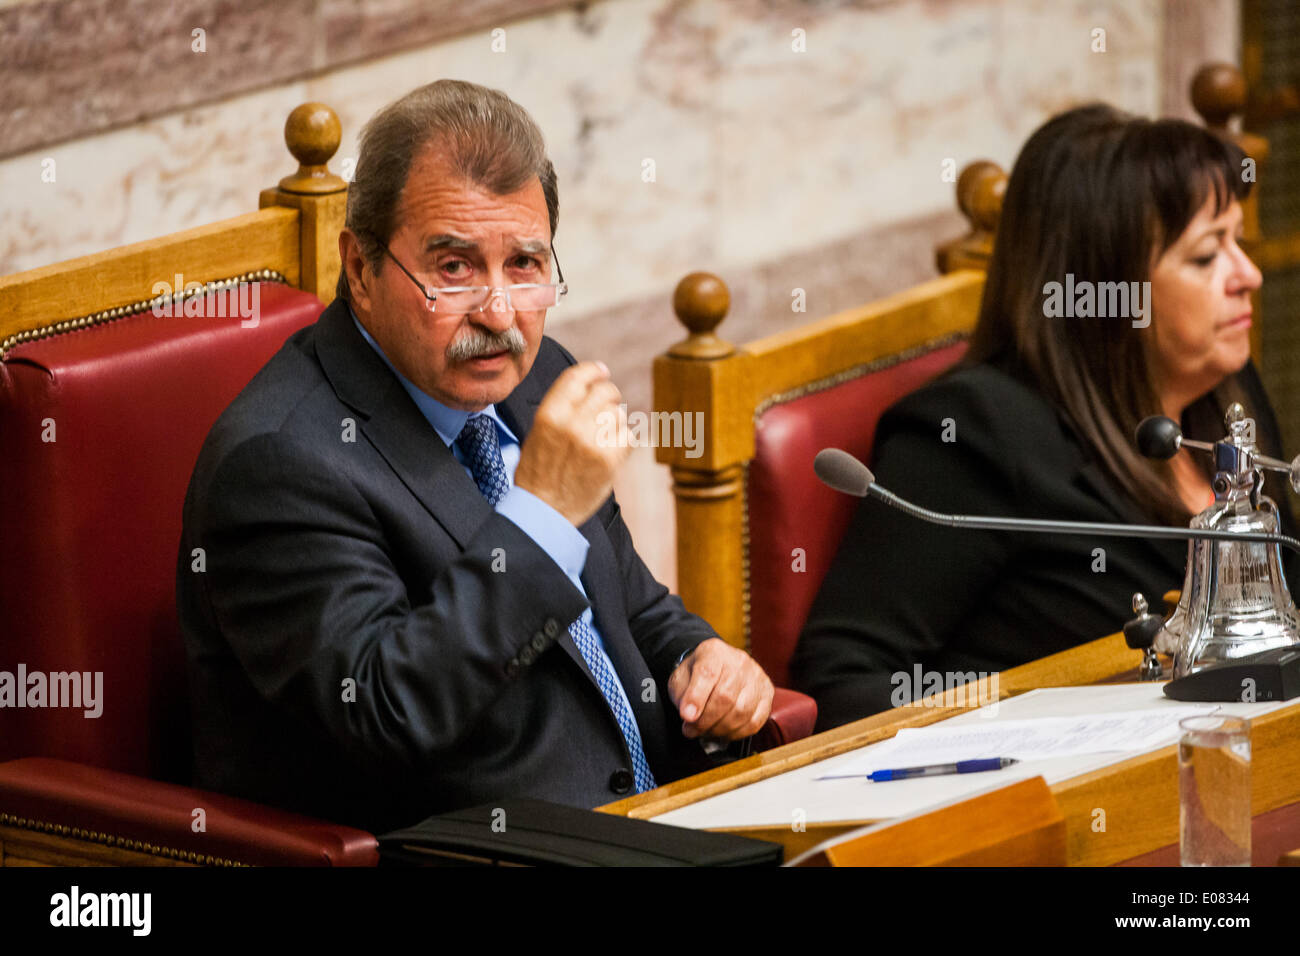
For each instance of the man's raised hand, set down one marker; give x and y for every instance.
(563, 462)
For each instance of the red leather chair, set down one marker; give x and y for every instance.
(756, 529)
(789, 508)
(99, 431)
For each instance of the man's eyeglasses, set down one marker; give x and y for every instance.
(459, 299)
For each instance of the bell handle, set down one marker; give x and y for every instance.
(1159, 436)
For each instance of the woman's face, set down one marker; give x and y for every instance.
(1200, 305)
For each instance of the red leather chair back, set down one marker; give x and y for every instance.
(794, 520)
(99, 432)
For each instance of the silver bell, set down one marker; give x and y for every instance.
(1235, 599)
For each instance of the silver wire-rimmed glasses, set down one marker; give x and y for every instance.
(520, 297)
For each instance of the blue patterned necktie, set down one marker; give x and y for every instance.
(478, 442)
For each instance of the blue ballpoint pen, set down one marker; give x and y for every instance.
(941, 769)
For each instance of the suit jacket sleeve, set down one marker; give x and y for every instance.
(299, 581)
(899, 588)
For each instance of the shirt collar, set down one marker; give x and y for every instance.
(447, 422)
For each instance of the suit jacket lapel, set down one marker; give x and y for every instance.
(610, 617)
(393, 424)
(520, 407)
(600, 576)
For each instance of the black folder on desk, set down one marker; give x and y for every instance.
(533, 832)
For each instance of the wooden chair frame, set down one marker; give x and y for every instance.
(731, 386)
(291, 238)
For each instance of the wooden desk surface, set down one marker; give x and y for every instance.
(1115, 814)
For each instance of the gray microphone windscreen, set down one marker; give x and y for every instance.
(843, 472)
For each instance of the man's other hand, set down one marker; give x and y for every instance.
(720, 691)
(567, 460)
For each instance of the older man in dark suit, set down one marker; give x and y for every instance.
(417, 592)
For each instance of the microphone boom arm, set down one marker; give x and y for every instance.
(1074, 527)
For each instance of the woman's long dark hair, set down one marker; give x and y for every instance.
(1099, 195)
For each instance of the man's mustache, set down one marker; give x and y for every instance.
(478, 342)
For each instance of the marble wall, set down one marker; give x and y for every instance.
(792, 143)
(70, 68)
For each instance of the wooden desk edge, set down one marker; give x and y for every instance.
(1137, 797)
(1086, 664)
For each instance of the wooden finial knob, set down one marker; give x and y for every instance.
(980, 189)
(701, 301)
(313, 132)
(1218, 93)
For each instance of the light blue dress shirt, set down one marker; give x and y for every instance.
(547, 527)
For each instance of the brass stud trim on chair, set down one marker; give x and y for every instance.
(117, 312)
(744, 555)
(108, 839)
(812, 388)
(857, 371)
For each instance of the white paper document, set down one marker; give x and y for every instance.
(1039, 738)
(820, 793)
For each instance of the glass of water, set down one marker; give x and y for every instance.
(1214, 790)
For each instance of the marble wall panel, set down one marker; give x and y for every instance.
(70, 68)
(73, 67)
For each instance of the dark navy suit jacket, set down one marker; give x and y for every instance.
(369, 641)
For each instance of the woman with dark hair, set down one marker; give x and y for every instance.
(1104, 213)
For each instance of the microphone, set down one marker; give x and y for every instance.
(844, 473)
(841, 471)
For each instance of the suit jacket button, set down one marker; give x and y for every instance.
(620, 781)
(512, 668)
(539, 642)
(551, 627)
(526, 656)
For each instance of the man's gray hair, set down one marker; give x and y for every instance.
(487, 137)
